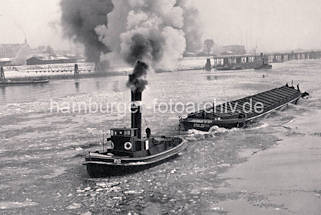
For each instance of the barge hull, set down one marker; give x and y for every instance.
(272, 100)
(17, 83)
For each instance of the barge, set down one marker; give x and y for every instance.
(23, 82)
(7, 82)
(130, 151)
(239, 113)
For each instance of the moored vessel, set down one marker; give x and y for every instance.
(243, 63)
(7, 82)
(263, 66)
(23, 82)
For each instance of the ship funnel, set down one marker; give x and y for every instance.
(136, 116)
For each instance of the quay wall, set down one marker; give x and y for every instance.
(59, 71)
(86, 70)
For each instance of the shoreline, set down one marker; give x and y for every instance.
(90, 75)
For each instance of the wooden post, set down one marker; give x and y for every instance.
(2, 75)
(76, 71)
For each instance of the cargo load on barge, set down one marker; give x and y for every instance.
(241, 112)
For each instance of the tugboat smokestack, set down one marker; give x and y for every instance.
(136, 111)
(137, 84)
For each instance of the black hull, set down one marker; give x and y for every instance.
(101, 165)
(229, 68)
(18, 83)
(263, 67)
(96, 170)
(255, 66)
(228, 124)
(241, 66)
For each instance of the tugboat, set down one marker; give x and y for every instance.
(130, 152)
(5, 82)
(239, 113)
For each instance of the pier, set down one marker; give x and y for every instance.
(270, 58)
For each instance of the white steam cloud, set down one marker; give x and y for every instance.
(156, 32)
(159, 22)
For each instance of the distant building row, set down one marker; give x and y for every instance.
(20, 54)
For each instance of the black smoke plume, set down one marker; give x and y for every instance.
(79, 20)
(143, 48)
(136, 80)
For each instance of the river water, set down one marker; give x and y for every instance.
(42, 147)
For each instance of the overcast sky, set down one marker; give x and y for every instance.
(271, 24)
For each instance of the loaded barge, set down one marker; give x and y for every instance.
(240, 112)
(129, 150)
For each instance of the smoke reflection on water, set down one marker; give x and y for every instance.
(39, 150)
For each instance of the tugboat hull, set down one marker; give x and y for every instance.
(100, 165)
(101, 169)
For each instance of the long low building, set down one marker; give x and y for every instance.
(5, 61)
(42, 61)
